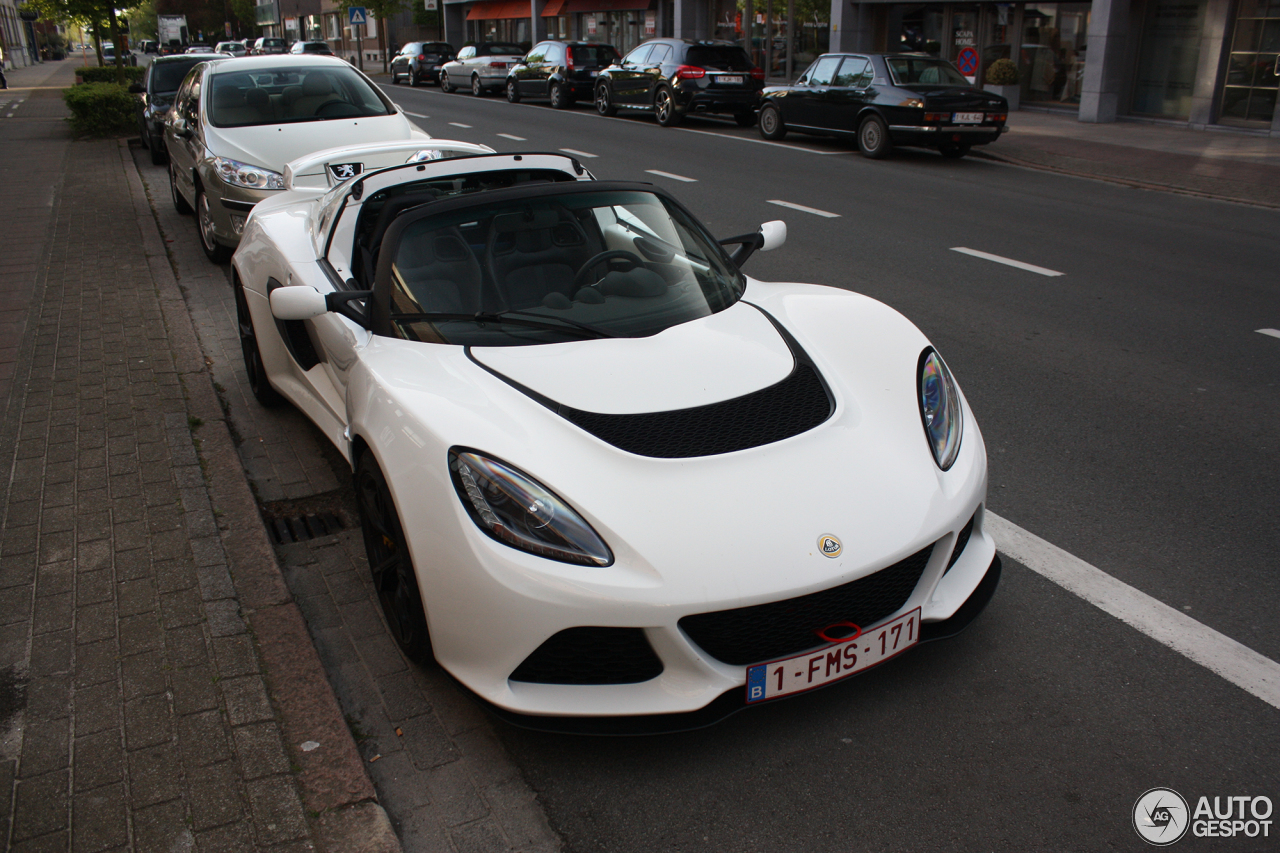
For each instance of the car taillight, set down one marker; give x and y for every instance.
(690, 72)
(422, 57)
(757, 73)
(569, 61)
(937, 116)
(998, 118)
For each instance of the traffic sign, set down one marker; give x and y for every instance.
(357, 16)
(967, 61)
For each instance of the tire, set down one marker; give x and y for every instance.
(252, 354)
(513, 92)
(954, 150)
(159, 156)
(559, 99)
(395, 81)
(604, 101)
(477, 88)
(873, 138)
(770, 123)
(745, 118)
(390, 563)
(179, 203)
(445, 85)
(664, 108)
(213, 250)
(413, 78)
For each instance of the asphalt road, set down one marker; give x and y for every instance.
(1131, 415)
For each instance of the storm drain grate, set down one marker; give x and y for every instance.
(285, 531)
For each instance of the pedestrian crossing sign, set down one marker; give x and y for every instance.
(357, 16)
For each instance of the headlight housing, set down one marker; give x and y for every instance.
(517, 510)
(940, 408)
(250, 177)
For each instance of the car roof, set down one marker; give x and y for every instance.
(281, 60)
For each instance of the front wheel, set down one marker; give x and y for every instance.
(253, 366)
(604, 101)
(873, 138)
(393, 576)
(559, 98)
(513, 92)
(477, 88)
(770, 124)
(213, 250)
(664, 107)
(445, 85)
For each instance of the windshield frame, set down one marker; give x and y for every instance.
(729, 293)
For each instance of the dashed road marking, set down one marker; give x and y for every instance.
(663, 174)
(825, 213)
(1218, 653)
(579, 153)
(415, 115)
(513, 137)
(1006, 261)
(459, 124)
(1275, 333)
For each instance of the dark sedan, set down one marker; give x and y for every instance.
(884, 100)
(676, 77)
(561, 71)
(420, 61)
(155, 94)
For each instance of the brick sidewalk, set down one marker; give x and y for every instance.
(141, 712)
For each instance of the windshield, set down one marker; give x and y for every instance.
(925, 70)
(292, 93)
(555, 268)
(167, 76)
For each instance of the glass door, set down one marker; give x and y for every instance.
(1249, 93)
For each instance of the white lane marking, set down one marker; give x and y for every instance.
(579, 153)
(415, 115)
(750, 139)
(1218, 653)
(663, 174)
(804, 209)
(1275, 333)
(459, 124)
(1007, 261)
(511, 136)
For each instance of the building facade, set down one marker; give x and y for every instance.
(16, 37)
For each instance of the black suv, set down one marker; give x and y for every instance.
(163, 77)
(420, 61)
(561, 71)
(674, 77)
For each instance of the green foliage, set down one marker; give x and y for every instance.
(1002, 72)
(101, 109)
(107, 74)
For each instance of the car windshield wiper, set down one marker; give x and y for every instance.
(516, 318)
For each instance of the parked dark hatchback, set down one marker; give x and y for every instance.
(155, 94)
(561, 71)
(675, 77)
(884, 100)
(420, 61)
(322, 48)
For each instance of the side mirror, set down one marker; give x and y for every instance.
(770, 236)
(297, 303)
(773, 234)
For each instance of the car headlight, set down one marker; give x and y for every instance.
(243, 175)
(516, 510)
(940, 409)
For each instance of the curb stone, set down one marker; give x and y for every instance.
(338, 794)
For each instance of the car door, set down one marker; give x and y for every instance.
(531, 71)
(466, 58)
(400, 64)
(627, 79)
(847, 94)
(660, 55)
(552, 64)
(182, 137)
(810, 108)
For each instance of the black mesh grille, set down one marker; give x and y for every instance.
(591, 656)
(781, 628)
(797, 403)
(961, 540)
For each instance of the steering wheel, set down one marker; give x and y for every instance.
(325, 109)
(621, 254)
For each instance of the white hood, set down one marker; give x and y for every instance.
(271, 146)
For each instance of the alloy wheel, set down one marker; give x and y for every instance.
(477, 88)
(179, 203)
(214, 250)
(664, 107)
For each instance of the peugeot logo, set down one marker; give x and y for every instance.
(342, 171)
(829, 545)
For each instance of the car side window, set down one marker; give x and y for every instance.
(555, 54)
(467, 52)
(538, 55)
(823, 70)
(660, 54)
(638, 56)
(855, 72)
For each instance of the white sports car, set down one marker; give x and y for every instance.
(609, 482)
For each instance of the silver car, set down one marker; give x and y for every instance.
(235, 123)
(482, 67)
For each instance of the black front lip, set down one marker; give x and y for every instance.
(733, 700)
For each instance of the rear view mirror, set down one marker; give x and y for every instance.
(297, 303)
(770, 236)
(773, 234)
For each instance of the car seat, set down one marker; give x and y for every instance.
(317, 89)
(533, 253)
(439, 272)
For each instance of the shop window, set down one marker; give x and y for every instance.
(1052, 51)
(1169, 58)
(1249, 91)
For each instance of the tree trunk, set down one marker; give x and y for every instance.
(97, 41)
(119, 48)
(382, 43)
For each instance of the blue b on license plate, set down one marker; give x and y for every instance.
(840, 660)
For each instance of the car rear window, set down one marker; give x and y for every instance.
(718, 57)
(594, 55)
(499, 49)
(168, 75)
(908, 70)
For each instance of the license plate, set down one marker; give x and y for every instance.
(841, 660)
(967, 118)
(730, 78)
(595, 73)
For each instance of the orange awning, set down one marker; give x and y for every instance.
(572, 6)
(554, 8)
(489, 10)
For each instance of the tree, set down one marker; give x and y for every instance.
(380, 10)
(86, 13)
